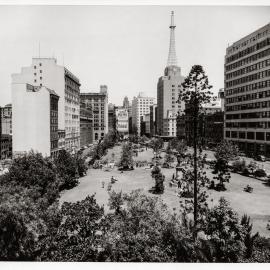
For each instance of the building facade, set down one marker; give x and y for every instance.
(98, 102)
(122, 123)
(210, 127)
(153, 120)
(35, 119)
(6, 119)
(140, 106)
(46, 72)
(247, 92)
(111, 117)
(168, 89)
(86, 125)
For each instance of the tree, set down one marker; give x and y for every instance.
(144, 232)
(225, 232)
(159, 183)
(34, 172)
(223, 174)
(249, 238)
(226, 150)
(66, 168)
(169, 157)
(156, 144)
(126, 160)
(74, 236)
(179, 146)
(195, 93)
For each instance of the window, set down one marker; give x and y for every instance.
(242, 135)
(260, 136)
(40, 71)
(40, 64)
(41, 84)
(250, 135)
(35, 67)
(35, 74)
(40, 78)
(35, 80)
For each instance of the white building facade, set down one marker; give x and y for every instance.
(46, 72)
(35, 119)
(121, 116)
(140, 106)
(99, 104)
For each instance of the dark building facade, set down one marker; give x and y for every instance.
(210, 127)
(86, 125)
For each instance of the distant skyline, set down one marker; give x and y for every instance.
(124, 47)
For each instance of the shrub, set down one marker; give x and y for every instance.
(239, 165)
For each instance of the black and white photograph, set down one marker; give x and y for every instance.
(134, 133)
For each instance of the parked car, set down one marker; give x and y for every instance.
(259, 158)
(241, 154)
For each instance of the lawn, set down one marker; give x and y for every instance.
(256, 204)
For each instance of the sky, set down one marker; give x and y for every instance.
(124, 47)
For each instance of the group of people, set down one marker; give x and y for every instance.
(113, 180)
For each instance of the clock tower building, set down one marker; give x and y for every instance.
(168, 89)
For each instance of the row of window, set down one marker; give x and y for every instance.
(248, 50)
(248, 60)
(261, 136)
(252, 77)
(247, 41)
(251, 115)
(248, 125)
(248, 106)
(263, 94)
(247, 88)
(248, 69)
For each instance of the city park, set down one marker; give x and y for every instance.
(138, 200)
(98, 181)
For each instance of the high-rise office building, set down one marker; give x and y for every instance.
(35, 119)
(247, 92)
(168, 89)
(46, 72)
(140, 106)
(99, 104)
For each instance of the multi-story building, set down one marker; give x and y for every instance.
(168, 89)
(5, 146)
(210, 124)
(127, 105)
(6, 119)
(35, 119)
(86, 126)
(111, 117)
(140, 106)
(99, 104)
(5, 141)
(153, 120)
(46, 72)
(247, 92)
(121, 116)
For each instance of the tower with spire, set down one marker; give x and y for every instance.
(168, 88)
